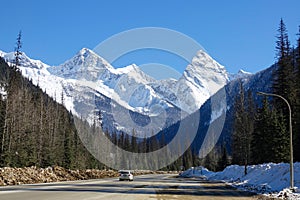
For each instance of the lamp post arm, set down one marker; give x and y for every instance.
(291, 135)
(276, 95)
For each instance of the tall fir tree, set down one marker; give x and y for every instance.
(279, 142)
(223, 160)
(18, 52)
(286, 83)
(296, 108)
(243, 128)
(270, 141)
(283, 75)
(260, 146)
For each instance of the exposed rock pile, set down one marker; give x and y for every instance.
(29, 175)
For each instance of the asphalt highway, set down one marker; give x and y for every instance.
(143, 187)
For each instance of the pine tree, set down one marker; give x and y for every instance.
(2, 118)
(210, 161)
(18, 52)
(296, 107)
(260, 145)
(11, 132)
(282, 41)
(223, 160)
(286, 82)
(188, 158)
(134, 143)
(270, 141)
(279, 141)
(283, 76)
(243, 128)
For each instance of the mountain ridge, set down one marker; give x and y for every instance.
(128, 86)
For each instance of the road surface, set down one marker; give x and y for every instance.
(143, 187)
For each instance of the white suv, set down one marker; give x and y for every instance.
(125, 175)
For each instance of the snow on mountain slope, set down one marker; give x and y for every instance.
(84, 65)
(241, 74)
(206, 72)
(201, 79)
(120, 90)
(128, 85)
(37, 71)
(2, 53)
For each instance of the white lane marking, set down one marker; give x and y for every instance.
(37, 187)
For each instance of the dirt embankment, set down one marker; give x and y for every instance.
(30, 175)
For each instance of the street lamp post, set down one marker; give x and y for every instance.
(291, 136)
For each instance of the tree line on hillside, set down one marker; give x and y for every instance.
(34, 128)
(261, 132)
(132, 143)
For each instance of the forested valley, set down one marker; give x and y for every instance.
(36, 130)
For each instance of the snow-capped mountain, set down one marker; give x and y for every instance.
(129, 86)
(87, 76)
(240, 74)
(201, 79)
(217, 113)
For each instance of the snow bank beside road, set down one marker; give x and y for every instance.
(196, 172)
(264, 178)
(273, 177)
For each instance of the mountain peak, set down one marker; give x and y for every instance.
(201, 79)
(205, 69)
(85, 63)
(240, 74)
(85, 52)
(204, 60)
(244, 72)
(84, 55)
(136, 73)
(128, 68)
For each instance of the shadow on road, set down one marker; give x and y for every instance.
(169, 186)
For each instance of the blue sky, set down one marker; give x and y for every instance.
(238, 34)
